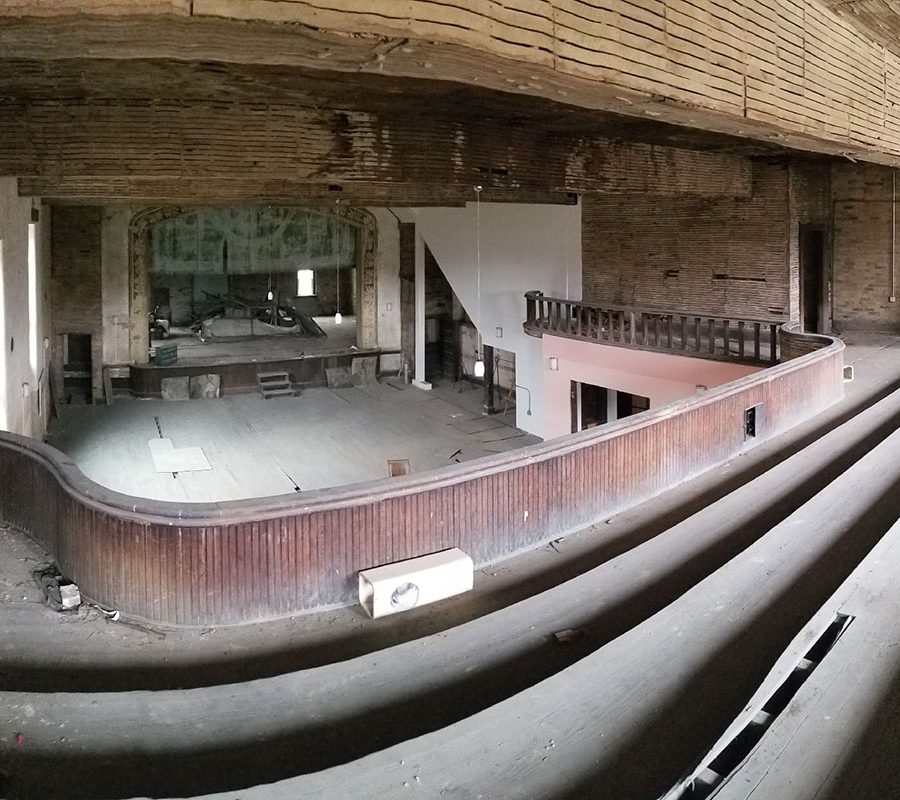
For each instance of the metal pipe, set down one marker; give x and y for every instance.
(528, 412)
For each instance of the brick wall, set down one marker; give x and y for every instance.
(723, 256)
(862, 248)
(76, 286)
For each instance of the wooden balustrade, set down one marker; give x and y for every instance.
(751, 341)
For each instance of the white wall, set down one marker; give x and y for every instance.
(523, 247)
(661, 377)
(20, 411)
(387, 269)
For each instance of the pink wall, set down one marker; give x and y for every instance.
(663, 378)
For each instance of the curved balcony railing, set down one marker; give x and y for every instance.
(221, 563)
(750, 341)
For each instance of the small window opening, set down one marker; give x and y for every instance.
(752, 421)
(306, 283)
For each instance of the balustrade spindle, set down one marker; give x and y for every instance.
(660, 330)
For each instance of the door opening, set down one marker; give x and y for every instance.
(596, 405)
(77, 367)
(812, 277)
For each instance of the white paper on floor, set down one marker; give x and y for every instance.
(185, 459)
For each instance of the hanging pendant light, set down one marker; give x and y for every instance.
(479, 362)
(338, 319)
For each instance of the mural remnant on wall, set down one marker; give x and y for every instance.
(251, 240)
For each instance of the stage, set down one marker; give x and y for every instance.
(238, 360)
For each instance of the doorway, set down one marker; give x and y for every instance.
(77, 367)
(594, 405)
(812, 277)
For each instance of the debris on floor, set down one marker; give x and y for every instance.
(569, 635)
(60, 592)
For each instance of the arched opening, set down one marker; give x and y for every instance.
(194, 266)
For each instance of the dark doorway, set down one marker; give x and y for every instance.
(630, 404)
(812, 276)
(77, 367)
(596, 405)
(593, 405)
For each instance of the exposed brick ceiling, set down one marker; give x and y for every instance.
(79, 81)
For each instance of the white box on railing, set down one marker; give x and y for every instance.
(415, 582)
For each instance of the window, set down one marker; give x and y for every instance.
(33, 339)
(306, 283)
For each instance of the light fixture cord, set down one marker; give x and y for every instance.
(337, 262)
(478, 257)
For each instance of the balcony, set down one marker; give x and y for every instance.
(746, 341)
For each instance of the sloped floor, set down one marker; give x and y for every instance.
(684, 603)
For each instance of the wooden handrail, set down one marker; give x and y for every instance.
(699, 335)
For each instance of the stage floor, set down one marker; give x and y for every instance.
(192, 351)
(259, 448)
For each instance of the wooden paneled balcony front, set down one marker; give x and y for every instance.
(749, 341)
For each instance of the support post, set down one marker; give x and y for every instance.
(488, 356)
(612, 405)
(420, 381)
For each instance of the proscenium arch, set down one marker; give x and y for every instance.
(139, 274)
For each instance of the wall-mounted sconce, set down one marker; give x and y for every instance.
(270, 295)
(554, 364)
(498, 332)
